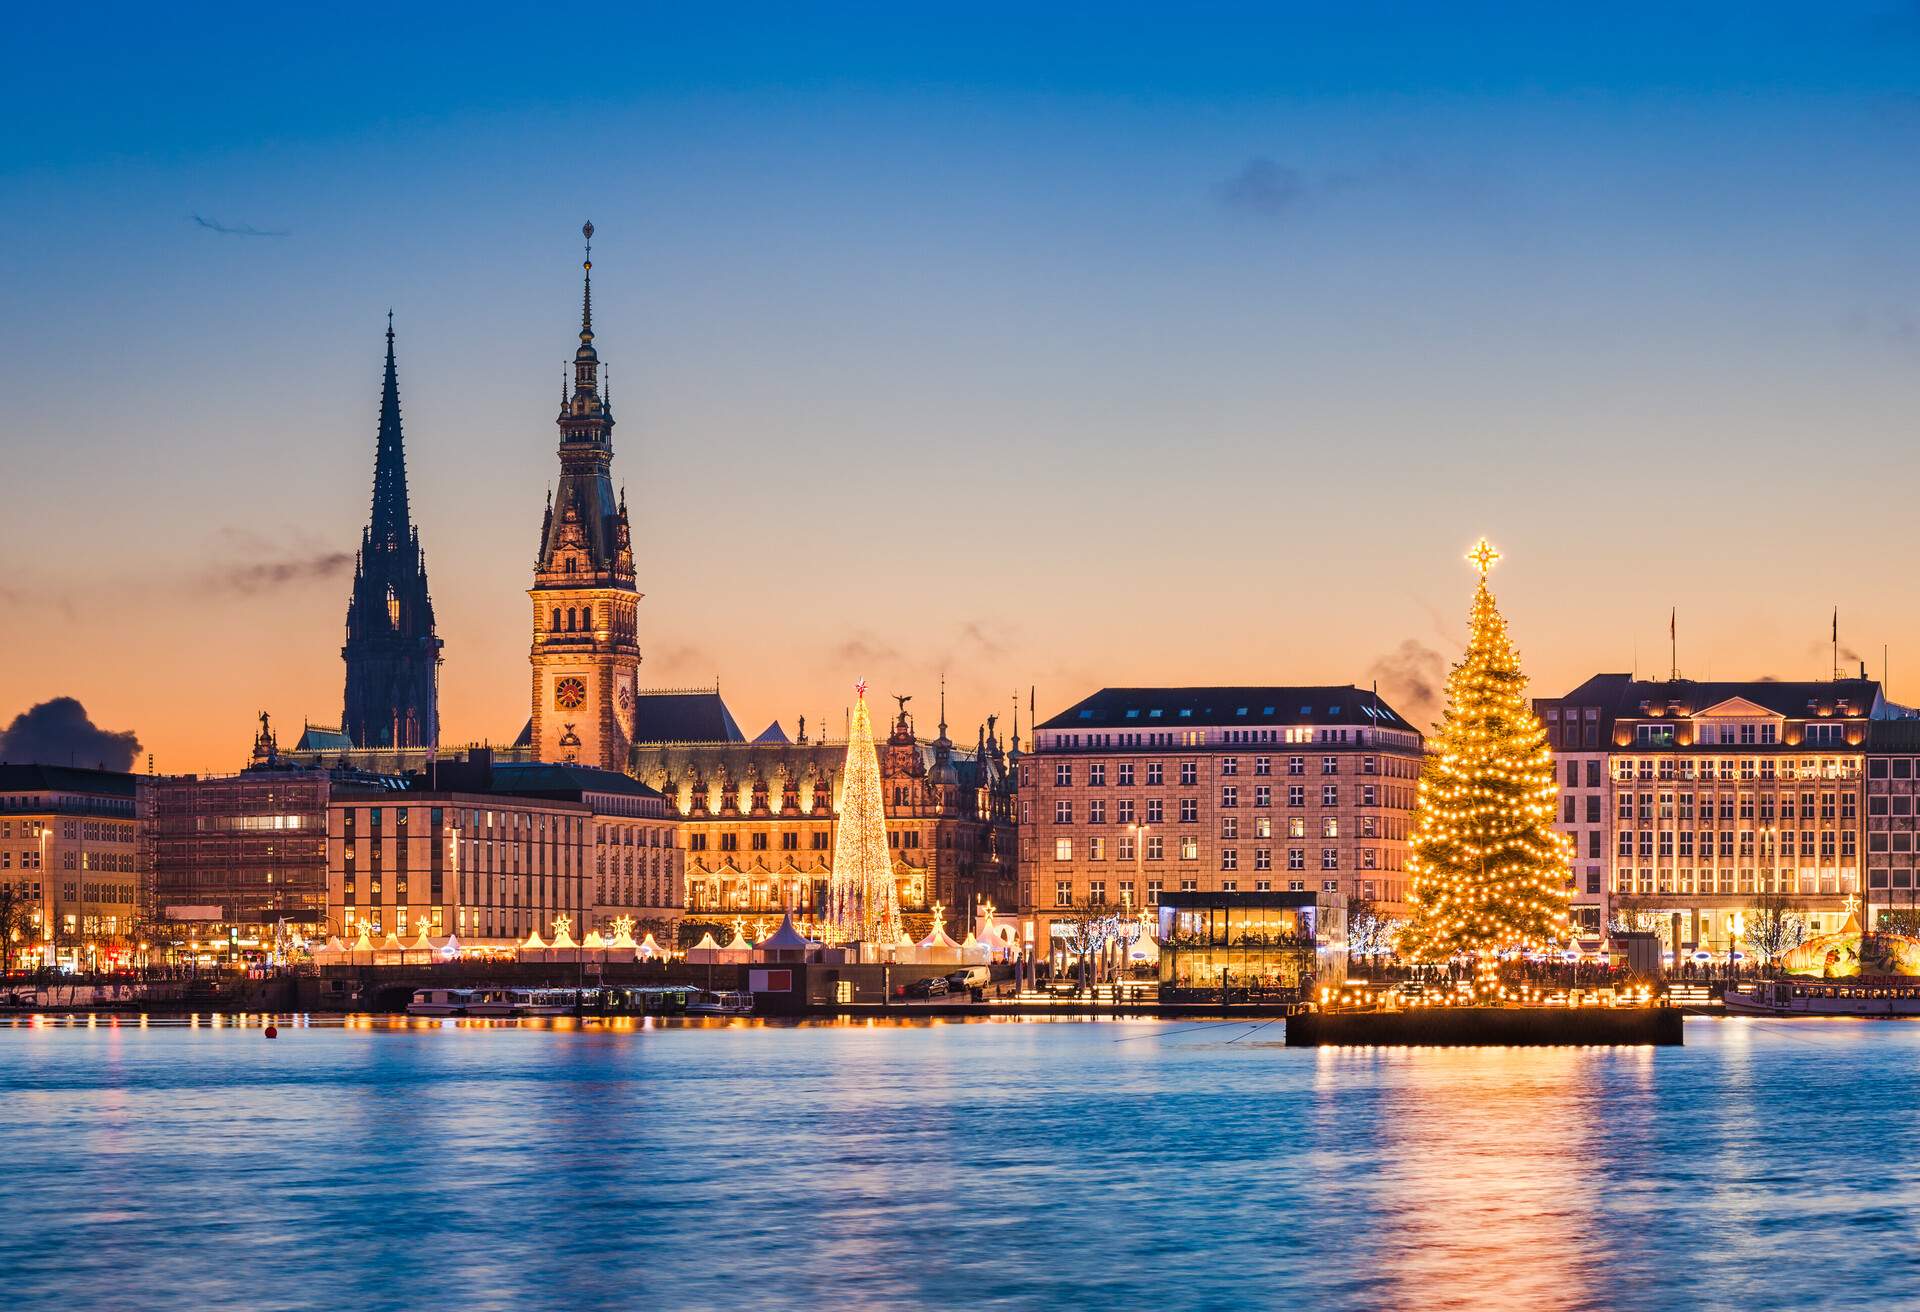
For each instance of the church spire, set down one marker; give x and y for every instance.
(390, 523)
(586, 295)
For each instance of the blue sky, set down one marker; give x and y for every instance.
(1101, 344)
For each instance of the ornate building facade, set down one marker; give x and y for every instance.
(586, 647)
(392, 652)
(757, 818)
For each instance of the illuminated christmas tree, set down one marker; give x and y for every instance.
(1488, 870)
(862, 902)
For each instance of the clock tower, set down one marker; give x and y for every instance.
(586, 646)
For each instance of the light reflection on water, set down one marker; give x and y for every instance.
(1063, 1164)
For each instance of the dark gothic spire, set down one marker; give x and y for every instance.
(390, 523)
(586, 295)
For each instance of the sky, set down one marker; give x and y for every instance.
(1047, 346)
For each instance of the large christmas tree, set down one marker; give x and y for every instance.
(862, 901)
(1488, 869)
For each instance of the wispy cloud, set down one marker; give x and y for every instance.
(245, 564)
(1413, 679)
(238, 229)
(1266, 188)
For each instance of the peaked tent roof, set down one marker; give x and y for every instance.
(785, 939)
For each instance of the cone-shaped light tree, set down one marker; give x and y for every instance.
(862, 901)
(1487, 868)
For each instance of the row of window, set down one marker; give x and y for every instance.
(1669, 806)
(1229, 856)
(789, 841)
(1643, 769)
(1097, 890)
(1682, 843)
(1125, 773)
(1124, 812)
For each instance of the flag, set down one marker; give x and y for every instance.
(1673, 623)
(1836, 624)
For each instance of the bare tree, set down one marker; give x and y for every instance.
(1774, 928)
(13, 922)
(1370, 933)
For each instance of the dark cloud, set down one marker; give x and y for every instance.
(1413, 679)
(239, 230)
(60, 732)
(247, 578)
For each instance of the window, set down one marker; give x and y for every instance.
(1063, 849)
(1063, 892)
(1123, 810)
(1330, 794)
(1329, 765)
(1126, 774)
(1263, 766)
(1263, 794)
(1329, 886)
(1329, 858)
(1153, 892)
(1063, 774)
(1097, 892)
(1263, 826)
(1330, 827)
(1156, 848)
(1229, 885)
(1096, 812)
(1296, 795)
(1263, 858)
(1125, 851)
(1189, 810)
(1126, 893)
(1296, 858)
(1156, 812)
(1831, 735)
(1230, 827)
(1063, 812)
(1296, 765)
(1189, 848)
(1096, 849)
(1097, 774)
(1156, 774)
(1229, 858)
(1296, 827)
(1229, 765)
(1189, 772)
(1229, 795)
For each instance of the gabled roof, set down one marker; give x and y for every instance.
(684, 717)
(319, 738)
(773, 733)
(1170, 708)
(1733, 707)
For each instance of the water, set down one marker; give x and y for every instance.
(1768, 1164)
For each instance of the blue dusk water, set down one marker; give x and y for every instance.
(1767, 1164)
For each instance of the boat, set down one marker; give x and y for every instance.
(1837, 997)
(493, 1002)
(704, 1003)
(546, 1002)
(440, 1002)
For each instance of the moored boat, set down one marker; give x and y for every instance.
(440, 1002)
(1825, 997)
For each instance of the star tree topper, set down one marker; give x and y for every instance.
(1483, 556)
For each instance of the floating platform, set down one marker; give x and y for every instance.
(1489, 1027)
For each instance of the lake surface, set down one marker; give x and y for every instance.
(1063, 1164)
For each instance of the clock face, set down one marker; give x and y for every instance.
(570, 693)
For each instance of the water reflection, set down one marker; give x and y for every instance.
(732, 1162)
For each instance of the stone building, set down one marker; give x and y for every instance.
(71, 847)
(1721, 793)
(757, 817)
(491, 852)
(1137, 791)
(1893, 812)
(1580, 731)
(586, 643)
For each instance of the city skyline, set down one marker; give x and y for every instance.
(1054, 361)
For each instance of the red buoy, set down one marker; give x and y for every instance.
(273, 1031)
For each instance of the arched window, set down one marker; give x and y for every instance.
(555, 626)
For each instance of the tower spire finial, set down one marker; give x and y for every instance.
(586, 295)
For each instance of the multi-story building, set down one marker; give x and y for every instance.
(1724, 793)
(1893, 811)
(1138, 791)
(71, 849)
(491, 852)
(1580, 731)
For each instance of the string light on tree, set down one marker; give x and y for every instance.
(862, 902)
(1488, 871)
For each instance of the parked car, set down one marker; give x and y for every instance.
(969, 977)
(934, 986)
